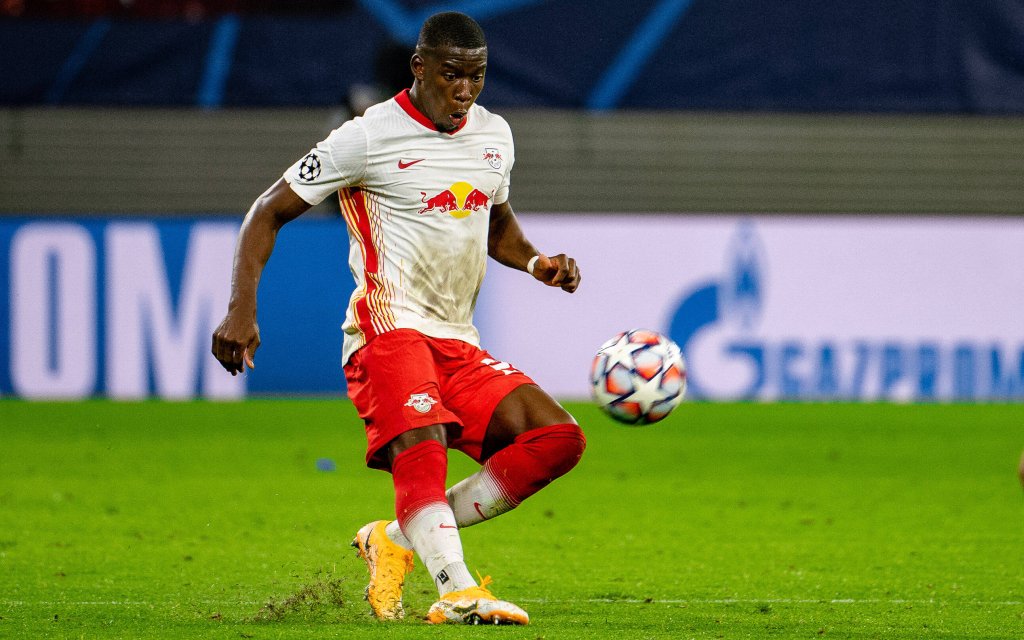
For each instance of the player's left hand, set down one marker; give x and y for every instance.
(557, 271)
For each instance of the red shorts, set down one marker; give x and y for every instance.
(402, 380)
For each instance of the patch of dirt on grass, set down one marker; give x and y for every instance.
(323, 597)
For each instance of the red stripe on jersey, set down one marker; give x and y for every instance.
(359, 222)
(380, 301)
(405, 102)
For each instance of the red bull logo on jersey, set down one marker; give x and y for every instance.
(458, 201)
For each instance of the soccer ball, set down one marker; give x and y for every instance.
(638, 377)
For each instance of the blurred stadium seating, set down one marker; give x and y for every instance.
(671, 106)
(163, 9)
(913, 56)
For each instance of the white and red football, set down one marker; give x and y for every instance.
(638, 377)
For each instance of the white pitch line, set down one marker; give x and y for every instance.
(698, 601)
(693, 601)
(119, 603)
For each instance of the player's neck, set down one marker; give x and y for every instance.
(415, 100)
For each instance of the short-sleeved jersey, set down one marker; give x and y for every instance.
(417, 205)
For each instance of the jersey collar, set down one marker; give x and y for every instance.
(403, 101)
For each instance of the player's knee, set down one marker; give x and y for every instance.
(557, 448)
(571, 444)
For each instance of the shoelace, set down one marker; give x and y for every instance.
(478, 591)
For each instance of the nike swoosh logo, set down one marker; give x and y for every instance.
(406, 165)
(476, 505)
(446, 526)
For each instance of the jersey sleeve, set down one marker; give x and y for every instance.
(337, 161)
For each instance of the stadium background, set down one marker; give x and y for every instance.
(133, 135)
(822, 201)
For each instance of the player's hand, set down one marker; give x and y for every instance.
(557, 271)
(235, 342)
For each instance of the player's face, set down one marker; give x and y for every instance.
(448, 81)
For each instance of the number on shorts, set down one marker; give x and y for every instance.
(503, 367)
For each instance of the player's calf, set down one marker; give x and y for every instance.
(425, 516)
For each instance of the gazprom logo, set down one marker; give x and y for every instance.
(742, 299)
(719, 325)
(736, 299)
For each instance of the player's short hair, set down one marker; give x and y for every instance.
(451, 29)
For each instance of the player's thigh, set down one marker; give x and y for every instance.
(526, 407)
(474, 383)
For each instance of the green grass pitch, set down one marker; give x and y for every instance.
(205, 520)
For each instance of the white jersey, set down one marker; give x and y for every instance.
(417, 205)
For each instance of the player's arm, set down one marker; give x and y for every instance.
(236, 339)
(507, 244)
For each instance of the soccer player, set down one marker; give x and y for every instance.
(423, 181)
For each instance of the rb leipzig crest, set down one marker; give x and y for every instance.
(421, 402)
(493, 157)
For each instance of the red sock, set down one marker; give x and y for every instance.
(419, 474)
(534, 459)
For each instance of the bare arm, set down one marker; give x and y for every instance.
(507, 244)
(236, 339)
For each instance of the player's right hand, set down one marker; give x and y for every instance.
(235, 342)
(557, 271)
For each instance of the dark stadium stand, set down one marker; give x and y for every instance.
(910, 57)
(163, 9)
(671, 105)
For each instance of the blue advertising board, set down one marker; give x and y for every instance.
(773, 308)
(125, 308)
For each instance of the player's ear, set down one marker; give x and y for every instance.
(416, 65)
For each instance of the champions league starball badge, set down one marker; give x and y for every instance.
(309, 168)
